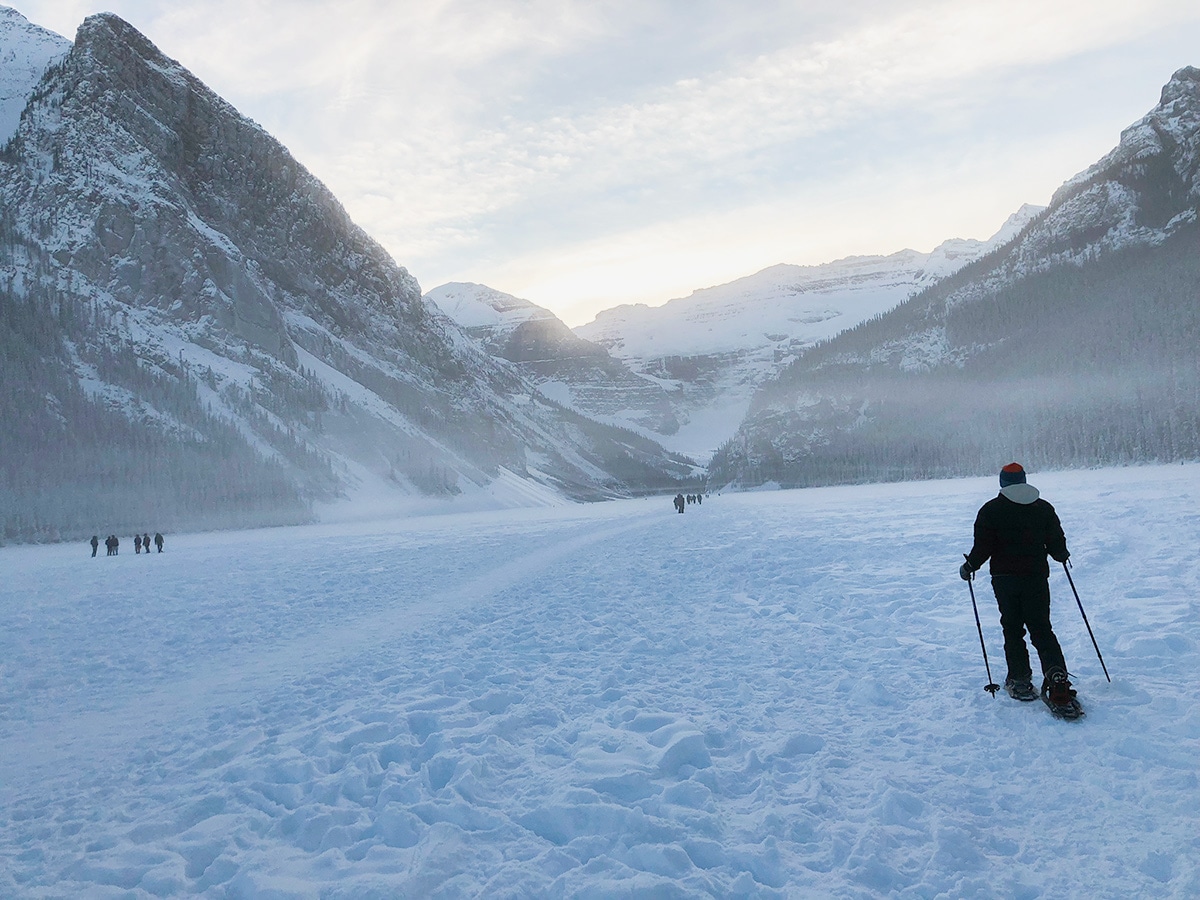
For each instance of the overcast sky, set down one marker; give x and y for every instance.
(584, 154)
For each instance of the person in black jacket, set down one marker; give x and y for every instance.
(1016, 530)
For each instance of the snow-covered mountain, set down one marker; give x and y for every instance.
(194, 331)
(785, 306)
(566, 368)
(26, 52)
(1074, 344)
(715, 347)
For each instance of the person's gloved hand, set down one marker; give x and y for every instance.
(965, 571)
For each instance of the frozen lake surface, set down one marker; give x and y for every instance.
(773, 695)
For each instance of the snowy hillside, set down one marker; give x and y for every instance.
(26, 52)
(1074, 344)
(784, 308)
(477, 307)
(714, 348)
(773, 695)
(566, 368)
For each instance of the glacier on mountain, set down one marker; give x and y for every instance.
(712, 349)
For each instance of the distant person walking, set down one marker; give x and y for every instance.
(1016, 530)
(680, 503)
(95, 544)
(137, 543)
(146, 541)
(158, 541)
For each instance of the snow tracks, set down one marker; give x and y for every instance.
(773, 695)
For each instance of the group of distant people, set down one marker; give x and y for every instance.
(113, 543)
(681, 502)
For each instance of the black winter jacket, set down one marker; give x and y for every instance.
(1017, 537)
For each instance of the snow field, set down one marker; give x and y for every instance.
(773, 695)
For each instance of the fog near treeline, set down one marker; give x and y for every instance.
(1079, 366)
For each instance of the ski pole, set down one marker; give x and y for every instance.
(991, 686)
(1079, 603)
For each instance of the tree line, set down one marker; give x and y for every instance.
(1083, 365)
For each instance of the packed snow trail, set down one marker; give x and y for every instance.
(776, 694)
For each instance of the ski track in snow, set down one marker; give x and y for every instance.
(775, 694)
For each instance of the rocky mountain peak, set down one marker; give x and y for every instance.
(1184, 87)
(195, 172)
(474, 305)
(1139, 194)
(119, 65)
(187, 284)
(110, 38)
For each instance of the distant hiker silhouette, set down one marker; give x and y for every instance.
(137, 543)
(680, 503)
(158, 541)
(146, 541)
(95, 544)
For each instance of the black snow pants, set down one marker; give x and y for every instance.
(1024, 602)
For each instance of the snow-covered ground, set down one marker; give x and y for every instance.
(776, 694)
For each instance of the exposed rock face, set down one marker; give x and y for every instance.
(167, 234)
(1073, 345)
(567, 368)
(159, 192)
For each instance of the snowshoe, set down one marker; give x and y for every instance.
(1020, 689)
(1059, 697)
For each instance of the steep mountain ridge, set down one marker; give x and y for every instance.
(566, 367)
(1073, 345)
(193, 288)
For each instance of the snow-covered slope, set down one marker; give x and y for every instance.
(485, 313)
(1074, 344)
(26, 52)
(716, 346)
(214, 334)
(774, 696)
(566, 368)
(785, 307)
